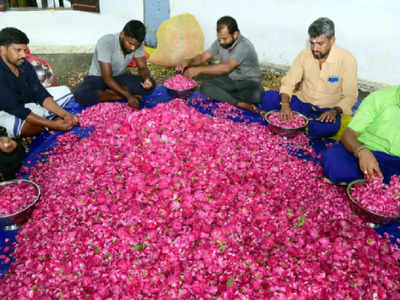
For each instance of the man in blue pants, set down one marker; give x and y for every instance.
(371, 144)
(107, 79)
(321, 84)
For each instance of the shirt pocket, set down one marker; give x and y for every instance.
(333, 84)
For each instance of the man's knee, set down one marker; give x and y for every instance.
(339, 165)
(85, 96)
(270, 100)
(257, 95)
(207, 88)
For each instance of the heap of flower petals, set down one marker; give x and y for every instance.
(296, 122)
(180, 83)
(380, 198)
(168, 203)
(16, 196)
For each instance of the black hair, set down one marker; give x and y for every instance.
(322, 26)
(135, 29)
(11, 35)
(229, 22)
(11, 162)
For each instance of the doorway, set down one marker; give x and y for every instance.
(155, 12)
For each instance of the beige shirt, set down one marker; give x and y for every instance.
(335, 84)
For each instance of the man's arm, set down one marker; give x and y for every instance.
(194, 61)
(349, 85)
(106, 74)
(366, 159)
(289, 81)
(53, 107)
(144, 72)
(56, 124)
(218, 69)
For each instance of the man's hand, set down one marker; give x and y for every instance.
(72, 119)
(133, 101)
(182, 65)
(328, 116)
(147, 84)
(7, 145)
(368, 164)
(60, 124)
(286, 112)
(191, 72)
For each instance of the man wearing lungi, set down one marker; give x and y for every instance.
(238, 75)
(26, 107)
(371, 143)
(107, 79)
(321, 83)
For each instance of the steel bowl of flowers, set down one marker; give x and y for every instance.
(18, 199)
(180, 87)
(288, 129)
(363, 211)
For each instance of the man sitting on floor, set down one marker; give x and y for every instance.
(324, 79)
(371, 144)
(239, 75)
(26, 107)
(107, 79)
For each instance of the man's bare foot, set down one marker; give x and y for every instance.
(134, 101)
(248, 106)
(262, 114)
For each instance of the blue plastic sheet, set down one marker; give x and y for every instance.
(45, 141)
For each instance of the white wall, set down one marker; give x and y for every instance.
(52, 31)
(278, 29)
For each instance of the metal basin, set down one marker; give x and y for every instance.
(13, 221)
(285, 131)
(364, 213)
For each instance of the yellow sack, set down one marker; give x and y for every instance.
(178, 38)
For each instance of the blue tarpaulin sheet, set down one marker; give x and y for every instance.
(45, 141)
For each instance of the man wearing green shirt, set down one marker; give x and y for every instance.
(371, 144)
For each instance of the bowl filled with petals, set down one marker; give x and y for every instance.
(18, 199)
(374, 201)
(286, 128)
(180, 87)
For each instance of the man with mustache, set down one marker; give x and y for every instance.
(321, 83)
(238, 80)
(26, 107)
(107, 79)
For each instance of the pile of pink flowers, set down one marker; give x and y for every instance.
(296, 122)
(16, 196)
(168, 203)
(180, 83)
(380, 198)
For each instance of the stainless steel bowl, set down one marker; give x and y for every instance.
(285, 131)
(364, 213)
(182, 94)
(13, 221)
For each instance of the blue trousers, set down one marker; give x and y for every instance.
(315, 129)
(340, 165)
(87, 93)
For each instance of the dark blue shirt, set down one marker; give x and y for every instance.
(15, 91)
